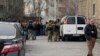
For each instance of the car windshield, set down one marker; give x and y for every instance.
(80, 20)
(71, 20)
(7, 30)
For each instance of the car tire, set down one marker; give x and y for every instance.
(66, 38)
(34, 38)
(21, 52)
(63, 38)
(84, 39)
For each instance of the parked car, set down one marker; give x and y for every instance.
(72, 27)
(12, 41)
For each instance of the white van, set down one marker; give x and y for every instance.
(72, 26)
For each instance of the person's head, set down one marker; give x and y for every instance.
(50, 21)
(57, 20)
(46, 22)
(30, 21)
(92, 21)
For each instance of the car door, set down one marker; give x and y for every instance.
(70, 26)
(80, 24)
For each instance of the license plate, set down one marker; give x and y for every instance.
(76, 35)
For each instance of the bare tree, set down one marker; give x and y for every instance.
(37, 7)
(67, 7)
(13, 8)
(16, 9)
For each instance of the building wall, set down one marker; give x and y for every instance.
(85, 7)
(90, 9)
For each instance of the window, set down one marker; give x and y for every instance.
(1, 7)
(93, 9)
(71, 20)
(18, 30)
(80, 20)
(7, 30)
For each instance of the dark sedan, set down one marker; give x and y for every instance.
(12, 41)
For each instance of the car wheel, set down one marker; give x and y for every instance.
(34, 38)
(84, 39)
(21, 52)
(63, 38)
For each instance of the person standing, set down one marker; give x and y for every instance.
(25, 30)
(38, 29)
(30, 28)
(57, 27)
(49, 29)
(56, 30)
(45, 26)
(91, 36)
(34, 31)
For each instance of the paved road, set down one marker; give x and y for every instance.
(41, 47)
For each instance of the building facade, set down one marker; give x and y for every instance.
(90, 9)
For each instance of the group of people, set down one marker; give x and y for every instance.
(32, 29)
(53, 30)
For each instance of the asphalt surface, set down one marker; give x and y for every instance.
(41, 47)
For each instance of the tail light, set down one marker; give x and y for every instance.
(10, 48)
(65, 21)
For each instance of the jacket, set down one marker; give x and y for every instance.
(90, 31)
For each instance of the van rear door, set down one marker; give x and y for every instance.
(80, 24)
(70, 26)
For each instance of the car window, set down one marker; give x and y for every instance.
(71, 20)
(18, 30)
(7, 30)
(80, 20)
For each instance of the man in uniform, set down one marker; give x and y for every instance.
(49, 29)
(56, 30)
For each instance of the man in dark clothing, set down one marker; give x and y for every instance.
(91, 36)
(41, 29)
(90, 32)
(31, 30)
(30, 26)
(34, 31)
(24, 27)
(38, 28)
